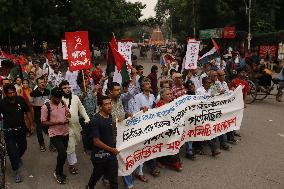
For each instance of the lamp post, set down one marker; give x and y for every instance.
(248, 12)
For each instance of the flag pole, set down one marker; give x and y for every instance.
(84, 81)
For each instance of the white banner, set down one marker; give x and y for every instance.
(162, 131)
(124, 48)
(192, 54)
(64, 50)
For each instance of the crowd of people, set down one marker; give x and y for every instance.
(84, 105)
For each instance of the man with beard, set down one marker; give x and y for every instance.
(13, 108)
(75, 106)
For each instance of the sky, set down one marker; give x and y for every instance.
(150, 6)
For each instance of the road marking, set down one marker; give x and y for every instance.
(280, 135)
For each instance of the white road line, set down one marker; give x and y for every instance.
(280, 135)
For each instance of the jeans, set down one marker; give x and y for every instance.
(107, 167)
(37, 115)
(128, 181)
(188, 148)
(16, 145)
(60, 143)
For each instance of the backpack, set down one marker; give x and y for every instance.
(49, 109)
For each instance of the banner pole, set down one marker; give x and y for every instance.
(84, 80)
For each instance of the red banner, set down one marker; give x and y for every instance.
(78, 51)
(229, 32)
(267, 50)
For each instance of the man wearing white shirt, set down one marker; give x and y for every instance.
(206, 91)
(75, 107)
(144, 100)
(71, 77)
(196, 80)
(221, 83)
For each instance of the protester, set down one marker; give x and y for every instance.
(97, 74)
(55, 116)
(14, 108)
(130, 89)
(215, 90)
(76, 107)
(145, 101)
(206, 91)
(88, 96)
(154, 80)
(171, 161)
(18, 85)
(37, 99)
(71, 77)
(55, 77)
(37, 69)
(26, 91)
(103, 152)
(32, 80)
(221, 82)
(241, 81)
(178, 88)
(140, 76)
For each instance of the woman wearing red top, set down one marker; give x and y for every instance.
(173, 161)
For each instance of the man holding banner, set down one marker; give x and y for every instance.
(104, 152)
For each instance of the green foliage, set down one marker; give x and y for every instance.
(49, 19)
(266, 15)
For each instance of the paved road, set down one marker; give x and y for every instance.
(257, 161)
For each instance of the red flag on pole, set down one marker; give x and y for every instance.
(118, 58)
(215, 45)
(113, 42)
(78, 51)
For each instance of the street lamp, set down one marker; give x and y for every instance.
(248, 11)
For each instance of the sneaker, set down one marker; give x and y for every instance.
(233, 141)
(225, 147)
(176, 166)
(215, 153)
(237, 134)
(18, 178)
(59, 178)
(42, 148)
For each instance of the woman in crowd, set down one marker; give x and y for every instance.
(25, 93)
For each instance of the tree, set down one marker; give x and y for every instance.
(48, 20)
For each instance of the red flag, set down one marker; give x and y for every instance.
(22, 60)
(215, 44)
(118, 58)
(79, 55)
(113, 42)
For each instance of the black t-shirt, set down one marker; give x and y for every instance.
(13, 113)
(38, 98)
(102, 128)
